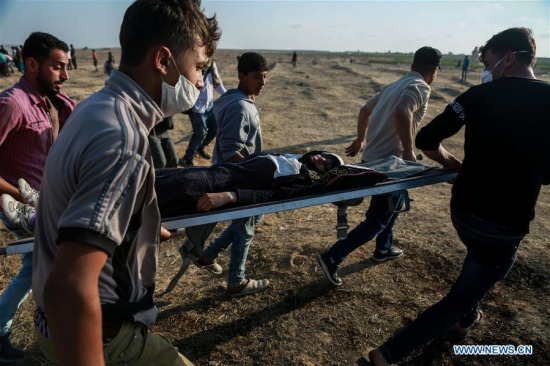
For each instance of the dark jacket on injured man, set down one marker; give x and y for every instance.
(260, 177)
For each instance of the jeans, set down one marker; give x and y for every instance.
(204, 130)
(491, 254)
(18, 289)
(240, 232)
(379, 221)
(163, 151)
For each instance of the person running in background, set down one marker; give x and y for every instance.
(94, 59)
(202, 117)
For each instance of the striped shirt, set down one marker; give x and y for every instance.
(26, 133)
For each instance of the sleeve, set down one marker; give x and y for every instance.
(108, 193)
(441, 127)
(372, 101)
(10, 117)
(418, 92)
(219, 88)
(233, 131)
(255, 196)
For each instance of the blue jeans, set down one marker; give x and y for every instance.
(491, 254)
(240, 232)
(18, 289)
(379, 221)
(204, 130)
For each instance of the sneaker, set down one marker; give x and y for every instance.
(8, 353)
(393, 253)
(203, 154)
(248, 287)
(29, 194)
(329, 268)
(18, 214)
(214, 268)
(185, 163)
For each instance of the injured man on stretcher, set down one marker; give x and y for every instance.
(259, 178)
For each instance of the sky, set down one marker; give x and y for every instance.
(363, 25)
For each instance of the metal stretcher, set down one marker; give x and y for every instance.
(425, 178)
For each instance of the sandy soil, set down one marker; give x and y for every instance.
(302, 319)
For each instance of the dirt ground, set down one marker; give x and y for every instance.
(302, 319)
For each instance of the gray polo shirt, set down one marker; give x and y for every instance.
(98, 189)
(382, 139)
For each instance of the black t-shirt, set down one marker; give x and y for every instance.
(506, 148)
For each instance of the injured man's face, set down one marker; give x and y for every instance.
(321, 164)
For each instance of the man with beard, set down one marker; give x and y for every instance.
(31, 114)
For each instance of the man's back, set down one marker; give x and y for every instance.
(382, 138)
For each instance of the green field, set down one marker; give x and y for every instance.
(543, 64)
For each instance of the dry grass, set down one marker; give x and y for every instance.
(301, 319)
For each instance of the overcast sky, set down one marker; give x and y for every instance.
(371, 26)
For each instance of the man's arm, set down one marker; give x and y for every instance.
(7, 188)
(72, 304)
(445, 158)
(362, 126)
(404, 125)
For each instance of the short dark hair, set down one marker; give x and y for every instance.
(39, 45)
(251, 61)
(176, 24)
(512, 40)
(426, 59)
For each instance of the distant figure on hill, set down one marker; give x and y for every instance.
(351, 59)
(465, 65)
(109, 65)
(94, 58)
(73, 56)
(294, 59)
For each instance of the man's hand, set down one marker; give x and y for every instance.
(214, 200)
(409, 155)
(164, 234)
(356, 147)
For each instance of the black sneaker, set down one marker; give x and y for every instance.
(393, 253)
(329, 268)
(203, 154)
(8, 353)
(185, 163)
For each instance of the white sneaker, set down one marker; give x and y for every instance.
(29, 194)
(18, 214)
(248, 288)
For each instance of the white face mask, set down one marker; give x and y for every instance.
(178, 98)
(487, 75)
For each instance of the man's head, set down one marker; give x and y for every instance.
(46, 60)
(508, 52)
(426, 62)
(252, 70)
(162, 40)
(321, 161)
